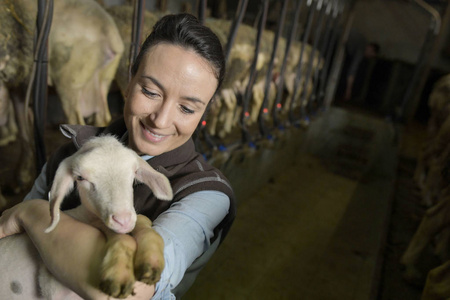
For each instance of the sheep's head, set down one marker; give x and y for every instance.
(105, 171)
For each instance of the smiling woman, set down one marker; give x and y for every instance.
(167, 98)
(179, 68)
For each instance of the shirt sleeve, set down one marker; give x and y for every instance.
(186, 228)
(38, 191)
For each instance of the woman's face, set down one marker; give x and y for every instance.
(167, 98)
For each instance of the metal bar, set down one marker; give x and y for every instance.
(331, 42)
(338, 59)
(280, 85)
(323, 51)
(138, 19)
(240, 12)
(246, 138)
(433, 31)
(43, 25)
(234, 27)
(318, 29)
(263, 109)
(202, 11)
(298, 77)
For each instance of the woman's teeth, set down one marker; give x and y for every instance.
(153, 134)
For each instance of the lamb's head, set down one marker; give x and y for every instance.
(105, 171)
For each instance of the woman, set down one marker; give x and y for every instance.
(174, 78)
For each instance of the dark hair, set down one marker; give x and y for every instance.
(186, 31)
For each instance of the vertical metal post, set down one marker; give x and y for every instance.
(240, 12)
(280, 85)
(234, 27)
(246, 138)
(202, 11)
(330, 46)
(138, 19)
(317, 32)
(338, 60)
(298, 77)
(428, 44)
(263, 109)
(43, 25)
(323, 50)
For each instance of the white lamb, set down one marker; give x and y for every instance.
(105, 171)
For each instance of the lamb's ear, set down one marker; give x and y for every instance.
(156, 181)
(62, 185)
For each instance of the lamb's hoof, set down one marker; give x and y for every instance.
(116, 289)
(147, 274)
(117, 277)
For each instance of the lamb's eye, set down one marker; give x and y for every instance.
(79, 178)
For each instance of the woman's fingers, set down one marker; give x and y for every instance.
(9, 221)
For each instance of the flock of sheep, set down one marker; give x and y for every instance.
(88, 49)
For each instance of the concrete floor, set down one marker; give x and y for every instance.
(316, 230)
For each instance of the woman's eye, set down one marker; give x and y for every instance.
(186, 110)
(148, 93)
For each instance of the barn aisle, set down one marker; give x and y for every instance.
(316, 230)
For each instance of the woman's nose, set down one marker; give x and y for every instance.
(163, 116)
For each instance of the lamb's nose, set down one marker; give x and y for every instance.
(122, 221)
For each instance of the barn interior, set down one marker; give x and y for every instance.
(332, 190)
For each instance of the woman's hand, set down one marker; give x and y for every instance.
(10, 220)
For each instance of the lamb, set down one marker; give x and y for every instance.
(106, 195)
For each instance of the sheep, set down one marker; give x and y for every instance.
(104, 171)
(84, 50)
(432, 177)
(8, 126)
(123, 18)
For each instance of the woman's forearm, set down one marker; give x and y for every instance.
(72, 251)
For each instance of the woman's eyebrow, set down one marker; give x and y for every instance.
(156, 82)
(194, 99)
(159, 85)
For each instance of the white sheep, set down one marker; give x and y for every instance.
(105, 171)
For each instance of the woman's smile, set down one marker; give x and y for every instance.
(152, 136)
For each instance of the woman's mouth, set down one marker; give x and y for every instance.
(151, 136)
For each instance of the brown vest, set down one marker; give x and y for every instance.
(186, 169)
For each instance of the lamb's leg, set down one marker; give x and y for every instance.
(117, 276)
(149, 257)
(106, 76)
